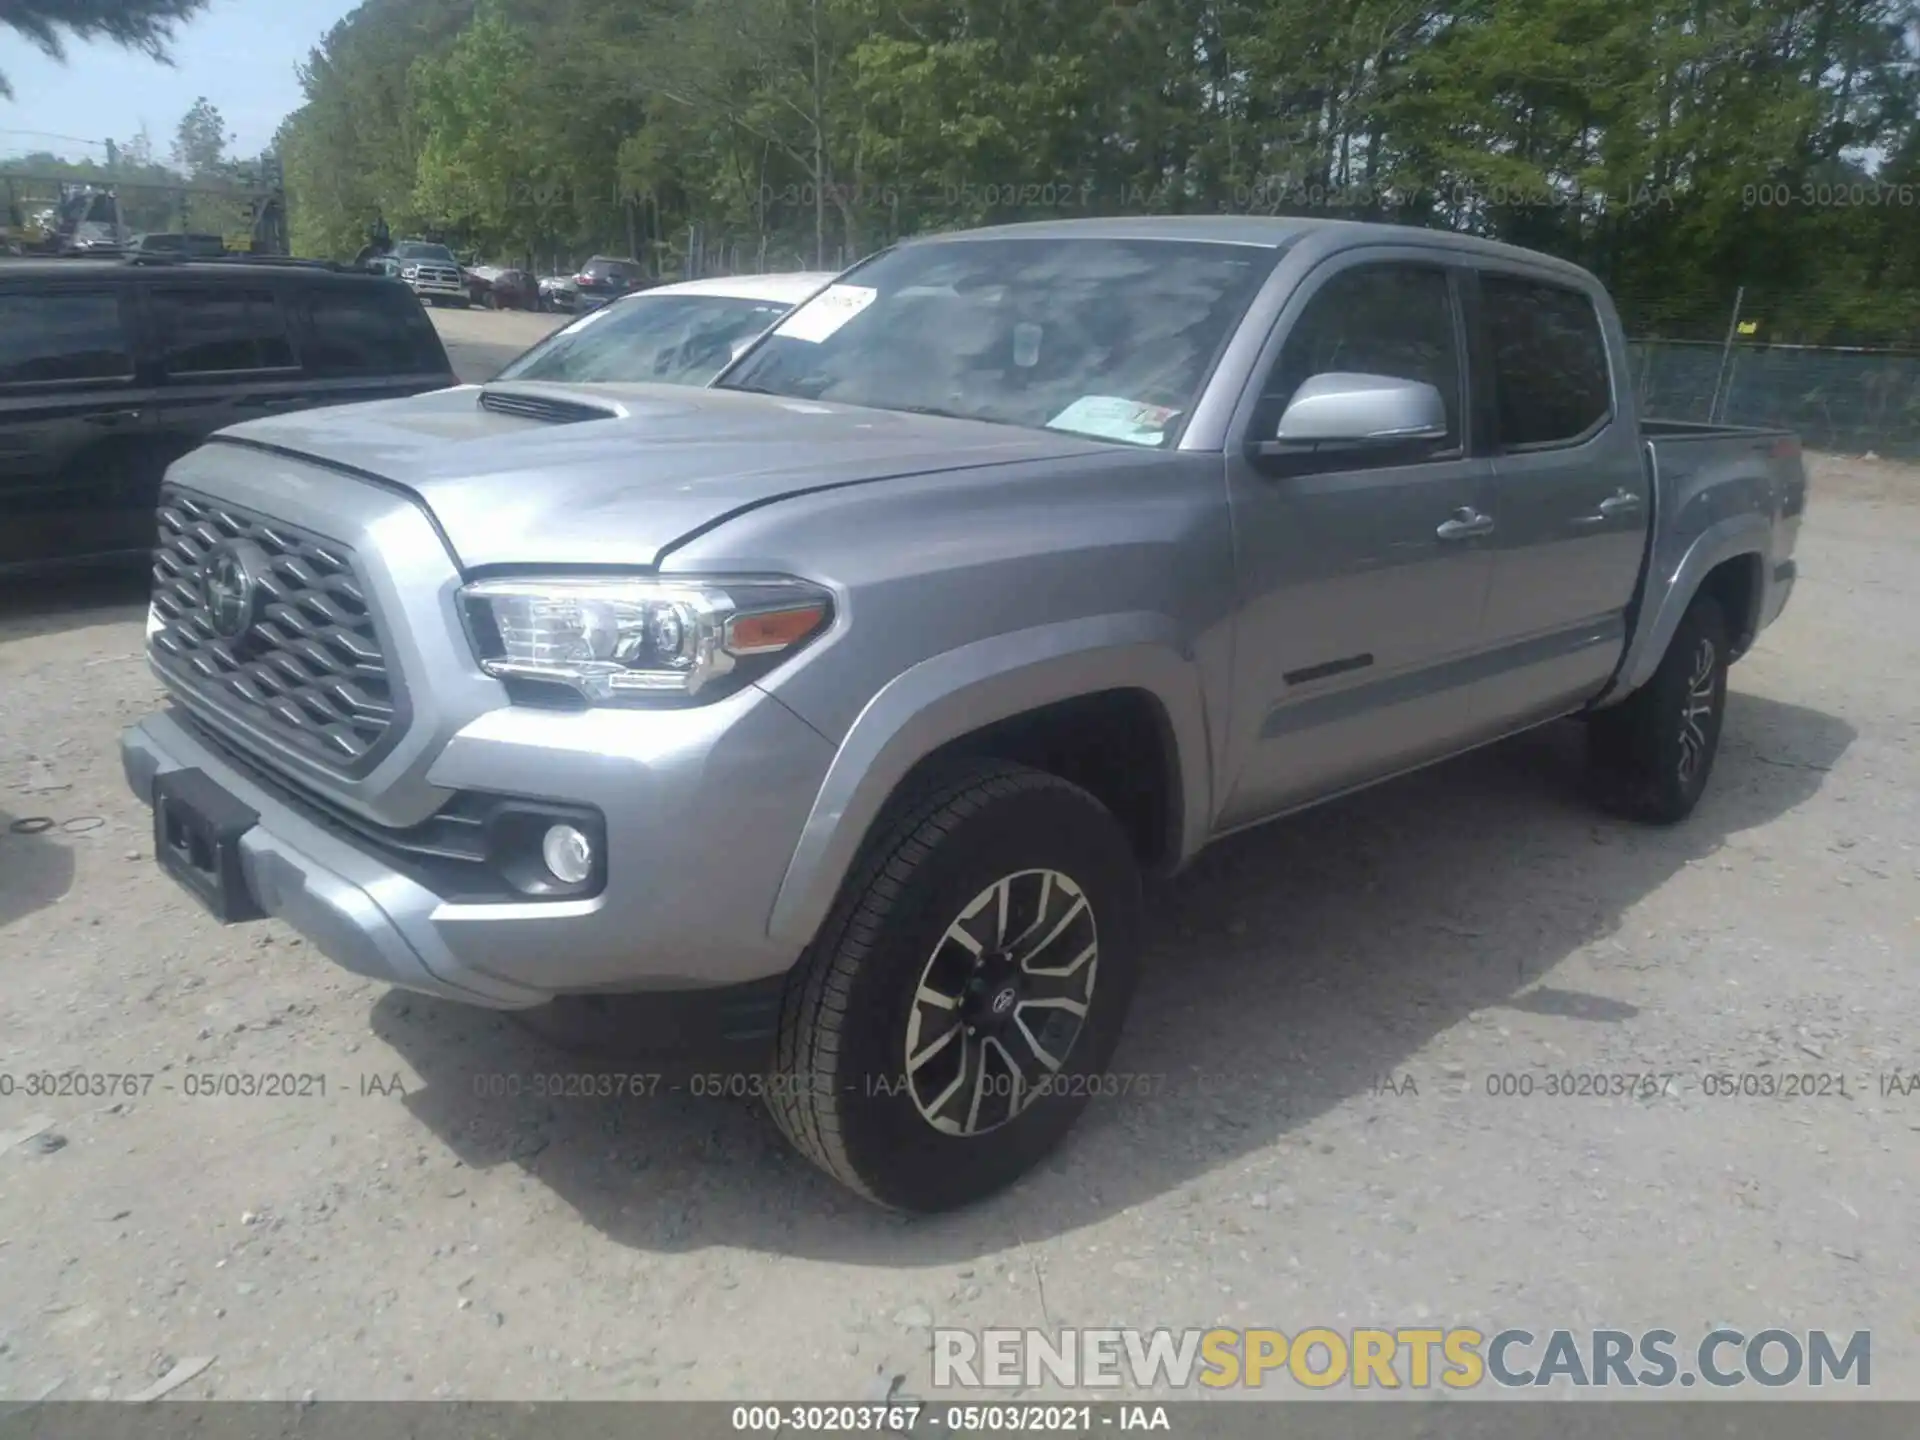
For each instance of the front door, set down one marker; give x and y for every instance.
(1363, 572)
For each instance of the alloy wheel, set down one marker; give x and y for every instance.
(1697, 710)
(1000, 1002)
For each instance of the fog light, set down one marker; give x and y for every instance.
(568, 853)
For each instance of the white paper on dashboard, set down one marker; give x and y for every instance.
(1113, 417)
(826, 312)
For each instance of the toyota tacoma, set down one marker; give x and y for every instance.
(841, 705)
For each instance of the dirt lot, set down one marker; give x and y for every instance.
(480, 342)
(1328, 1003)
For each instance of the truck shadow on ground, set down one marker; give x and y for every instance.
(53, 604)
(1287, 972)
(36, 870)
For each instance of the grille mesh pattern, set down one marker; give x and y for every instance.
(310, 671)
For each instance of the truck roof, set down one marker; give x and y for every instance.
(1276, 232)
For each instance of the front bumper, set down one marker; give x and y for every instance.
(703, 808)
(439, 290)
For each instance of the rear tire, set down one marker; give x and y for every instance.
(912, 1058)
(1653, 753)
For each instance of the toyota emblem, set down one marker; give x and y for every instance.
(230, 582)
(1003, 1002)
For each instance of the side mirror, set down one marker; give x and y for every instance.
(1342, 409)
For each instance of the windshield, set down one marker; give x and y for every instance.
(679, 339)
(416, 251)
(1107, 338)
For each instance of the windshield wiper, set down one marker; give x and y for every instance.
(928, 410)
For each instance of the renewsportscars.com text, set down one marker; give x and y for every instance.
(1414, 1358)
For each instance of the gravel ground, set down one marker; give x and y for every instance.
(1327, 1002)
(481, 342)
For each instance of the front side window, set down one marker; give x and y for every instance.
(1549, 361)
(62, 335)
(211, 329)
(1107, 338)
(1389, 319)
(673, 339)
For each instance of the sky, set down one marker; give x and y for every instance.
(240, 54)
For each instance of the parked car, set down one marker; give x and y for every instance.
(111, 370)
(1012, 565)
(558, 291)
(429, 270)
(496, 288)
(174, 243)
(605, 278)
(679, 334)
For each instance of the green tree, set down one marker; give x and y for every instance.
(201, 140)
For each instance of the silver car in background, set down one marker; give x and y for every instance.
(682, 334)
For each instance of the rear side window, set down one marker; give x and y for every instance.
(1549, 361)
(210, 329)
(356, 332)
(62, 335)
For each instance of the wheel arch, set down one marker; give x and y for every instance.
(1010, 696)
(1728, 560)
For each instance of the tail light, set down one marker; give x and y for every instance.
(1787, 447)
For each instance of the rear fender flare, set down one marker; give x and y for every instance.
(1723, 541)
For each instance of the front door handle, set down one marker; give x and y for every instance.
(264, 402)
(114, 417)
(1466, 523)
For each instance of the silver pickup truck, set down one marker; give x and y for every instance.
(839, 708)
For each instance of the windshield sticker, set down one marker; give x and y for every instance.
(826, 312)
(1108, 417)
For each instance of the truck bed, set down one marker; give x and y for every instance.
(1692, 430)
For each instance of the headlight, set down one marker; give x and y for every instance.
(641, 640)
(410, 272)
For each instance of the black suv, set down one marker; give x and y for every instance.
(112, 370)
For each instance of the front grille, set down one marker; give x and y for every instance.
(309, 670)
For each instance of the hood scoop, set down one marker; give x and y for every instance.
(549, 409)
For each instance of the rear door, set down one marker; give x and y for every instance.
(72, 425)
(361, 341)
(225, 353)
(1571, 495)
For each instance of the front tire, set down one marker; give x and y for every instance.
(1653, 753)
(960, 1005)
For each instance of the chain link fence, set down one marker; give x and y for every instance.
(1843, 401)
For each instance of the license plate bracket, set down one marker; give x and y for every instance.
(197, 829)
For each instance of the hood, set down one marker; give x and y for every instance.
(616, 474)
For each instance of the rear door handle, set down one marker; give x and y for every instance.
(1466, 523)
(114, 417)
(264, 402)
(1621, 502)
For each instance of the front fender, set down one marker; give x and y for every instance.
(1668, 595)
(962, 690)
